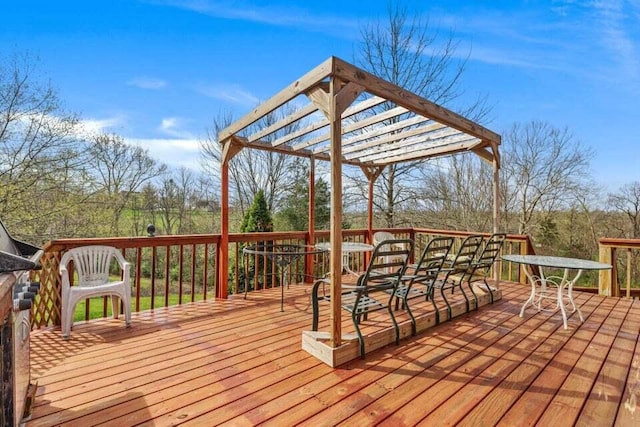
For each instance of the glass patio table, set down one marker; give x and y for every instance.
(348, 248)
(282, 255)
(561, 283)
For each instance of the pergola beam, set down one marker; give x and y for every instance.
(419, 105)
(430, 152)
(349, 143)
(300, 86)
(400, 140)
(349, 128)
(284, 122)
(417, 145)
(324, 122)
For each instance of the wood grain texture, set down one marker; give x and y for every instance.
(240, 362)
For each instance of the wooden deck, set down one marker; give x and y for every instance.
(240, 362)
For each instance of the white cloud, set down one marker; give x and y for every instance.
(231, 93)
(594, 39)
(93, 126)
(175, 152)
(289, 16)
(166, 144)
(171, 126)
(617, 33)
(147, 83)
(505, 56)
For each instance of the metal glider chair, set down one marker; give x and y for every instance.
(386, 268)
(485, 260)
(92, 265)
(456, 272)
(421, 277)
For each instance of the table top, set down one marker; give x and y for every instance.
(348, 246)
(556, 262)
(282, 249)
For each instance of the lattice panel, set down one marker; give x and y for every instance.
(46, 311)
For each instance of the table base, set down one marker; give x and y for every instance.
(561, 283)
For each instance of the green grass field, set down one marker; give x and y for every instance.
(96, 305)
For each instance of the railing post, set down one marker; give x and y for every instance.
(412, 236)
(606, 277)
(525, 249)
(308, 259)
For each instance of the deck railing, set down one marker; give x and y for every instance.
(622, 279)
(171, 270)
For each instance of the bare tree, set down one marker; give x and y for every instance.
(544, 168)
(460, 194)
(175, 198)
(144, 209)
(38, 145)
(627, 201)
(120, 170)
(405, 50)
(249, 170)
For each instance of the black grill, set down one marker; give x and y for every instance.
(14, 254)
(16, 298)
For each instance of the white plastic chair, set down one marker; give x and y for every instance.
(92, 265)
(381, 236)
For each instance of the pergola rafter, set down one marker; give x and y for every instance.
(345, 115)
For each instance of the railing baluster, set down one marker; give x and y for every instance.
(628, 272)
(193, 272)
(205, 272)
(167, 274)
(236, 264)
(138, 276)
(153, 277)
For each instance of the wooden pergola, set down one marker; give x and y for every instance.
(345, 115)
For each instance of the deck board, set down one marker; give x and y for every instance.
(567, 404)
(239, 362)
(506, 403)
(629, 410)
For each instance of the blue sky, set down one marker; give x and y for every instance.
(157, 72)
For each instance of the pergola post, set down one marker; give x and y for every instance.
(496, 204)
(222, 254)
(496, 188)
(335, 228)
(333, 99)
(311, 236)
(372, 174)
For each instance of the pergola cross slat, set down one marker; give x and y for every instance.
(390, 131)
(387, 124)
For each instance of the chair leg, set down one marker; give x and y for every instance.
(475, 297)
(126, 302)
(446, 301)
(358, 332)
(396, 328)
(314, 304)
(115, 307)
(437, 310)
(405, 302)
(67, 318)
(464, 294)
